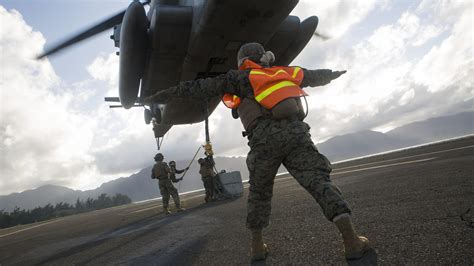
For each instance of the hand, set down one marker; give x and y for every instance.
(180, 179)
(187, 168)
(336, 74)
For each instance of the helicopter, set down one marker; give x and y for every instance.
(180, 40)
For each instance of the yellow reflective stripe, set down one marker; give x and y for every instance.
(256, 72)
(295, 72)
(273, 88)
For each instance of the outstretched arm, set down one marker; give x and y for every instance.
(203, 88)
(180, 171)
(319, 77)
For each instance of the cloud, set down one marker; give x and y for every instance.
(42, 139)
(427, 33)
(335, 17)
(452, 61)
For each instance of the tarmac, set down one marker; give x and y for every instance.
(416, 206)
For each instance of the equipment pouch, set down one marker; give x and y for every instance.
(285, 108)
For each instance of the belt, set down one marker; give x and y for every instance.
(254, 123)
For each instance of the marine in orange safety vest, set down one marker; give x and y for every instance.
(268, 101)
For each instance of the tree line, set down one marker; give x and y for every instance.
(61, 209)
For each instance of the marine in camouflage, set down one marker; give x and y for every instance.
(277, 137)
(207, 176)
(161, 171)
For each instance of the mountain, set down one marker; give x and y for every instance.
(434, 129)
(357, 144)
(369, 142)
(39, 197)
(140, 186)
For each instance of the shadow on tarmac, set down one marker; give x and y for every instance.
(183, 255)
(143, 226)
(370, 258)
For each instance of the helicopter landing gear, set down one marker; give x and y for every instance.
(152, 114)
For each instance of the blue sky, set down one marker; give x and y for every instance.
(406, 60)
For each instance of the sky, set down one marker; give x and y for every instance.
(406, 60)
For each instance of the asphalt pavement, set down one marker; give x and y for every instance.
(416, 206)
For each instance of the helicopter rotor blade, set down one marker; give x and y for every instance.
(98, 28)
(321, 36)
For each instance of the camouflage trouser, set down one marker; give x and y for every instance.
(273, 142)
(208, 182)
(167, 189)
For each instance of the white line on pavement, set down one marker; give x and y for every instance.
(157, 206)
(412, 156)
(363, 169)
(383, 166)
(29, 228)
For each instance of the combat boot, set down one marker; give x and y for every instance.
(179, 208)
(259, 249)
(354, 245)
(166, 210)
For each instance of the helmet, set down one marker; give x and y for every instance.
(159, 157)
(252, 51)
(172, 163)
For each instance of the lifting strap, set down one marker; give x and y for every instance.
(159, 142)
(192, 160)
(189, 165)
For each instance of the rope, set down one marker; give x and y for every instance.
(159, 142)
(189, 165)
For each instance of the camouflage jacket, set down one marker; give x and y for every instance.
(207, 167)
(160, 171)
(173, 172)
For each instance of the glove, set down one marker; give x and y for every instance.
(187, 168)
(336, 74)
(179, 179)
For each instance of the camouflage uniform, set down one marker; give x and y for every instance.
(173, 172)
(161, 171)
(207, 175)
(287, 141)
(273, 142)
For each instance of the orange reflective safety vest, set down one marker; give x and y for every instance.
(270, 85)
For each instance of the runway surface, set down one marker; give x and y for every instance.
(416, 206)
